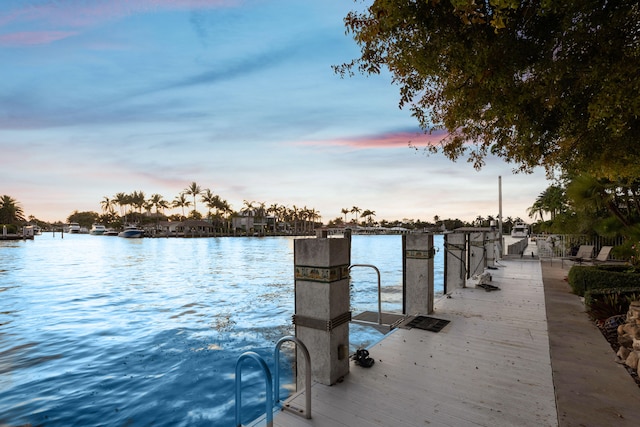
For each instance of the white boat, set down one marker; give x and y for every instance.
(97, 230)
(131, 232)
(73, 228)
(520, 229)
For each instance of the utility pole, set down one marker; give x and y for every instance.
(500, 215)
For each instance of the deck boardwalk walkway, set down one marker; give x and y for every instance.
(490, 366)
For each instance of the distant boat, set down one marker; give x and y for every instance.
(37, 231)
(131, 232)
(110, 232)
(97, 230)
(73, 228)
(520, 229)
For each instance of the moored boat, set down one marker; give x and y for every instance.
(520, 229)
(73, 228)
(97, 230)
(131, 232)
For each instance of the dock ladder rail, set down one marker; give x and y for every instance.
(268, 384)
(379, 288)
(273, 387)
(307, 378)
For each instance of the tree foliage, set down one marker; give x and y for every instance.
(10, 211)
(536, 82)
(84, 219)
(585, 204)
(552, 200)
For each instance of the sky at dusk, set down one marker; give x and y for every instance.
(99, 97)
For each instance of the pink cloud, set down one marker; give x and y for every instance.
(26, 38)
(81, 14)
(387, 140)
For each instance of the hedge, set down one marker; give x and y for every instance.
(601, 304)
(582, 278)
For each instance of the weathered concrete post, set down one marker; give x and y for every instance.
(455, 267)
(477, 259)
(322, 306)
(490, 244)
(417, 259)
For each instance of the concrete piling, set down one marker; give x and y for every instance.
(417, 259)
(322, 308)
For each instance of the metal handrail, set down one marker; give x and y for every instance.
(379, 288)
(268, 383)
(307, 378)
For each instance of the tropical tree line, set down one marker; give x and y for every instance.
(585, 204)
(135, 207)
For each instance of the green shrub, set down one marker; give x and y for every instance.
(602, 304)
(582, 278)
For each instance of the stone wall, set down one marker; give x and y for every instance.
(629, 338)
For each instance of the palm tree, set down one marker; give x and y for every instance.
(107, 204)
(249, 209)
(137, 200)
(121, 200)
(10, 211)
(180, 201)
(158, 202)
(224, 207)
(356, 210)
(304, 215)
(295, 215)
(553, 200)
(193, 190)
(345, 211)
(593, 195)
(209, 199)
(275, 210)
(283, 211)
(369, 213)
(261, 212)
(313, 215)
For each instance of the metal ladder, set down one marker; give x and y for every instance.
(271, 386)
(391, 320)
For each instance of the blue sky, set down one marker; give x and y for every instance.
(105, 96)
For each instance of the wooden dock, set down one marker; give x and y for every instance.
(490, 366)
(15, 237)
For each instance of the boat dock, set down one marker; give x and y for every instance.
(16, 237)
(522, 355)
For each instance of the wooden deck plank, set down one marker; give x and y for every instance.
(489, 367)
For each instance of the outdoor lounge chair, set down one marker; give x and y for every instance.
(603, 257)
(585, 252)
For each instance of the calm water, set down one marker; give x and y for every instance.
(98, 330)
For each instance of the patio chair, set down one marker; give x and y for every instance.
(603, 257)
(585, 252)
